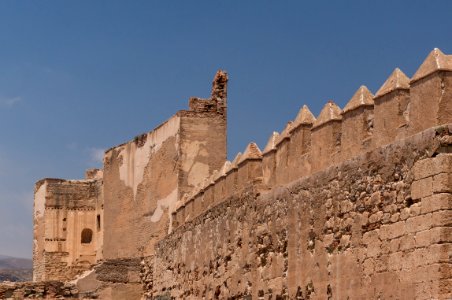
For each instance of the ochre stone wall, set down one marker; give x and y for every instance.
(353, 204)
(375, 227)
(144, 179)
(140, 184)
(38, 290)
(63, 209)
(402, 107)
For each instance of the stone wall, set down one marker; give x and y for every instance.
(355, 203)
(374, 227)
(65, 210)
(38, 290)
(145, 178)
(308, 144)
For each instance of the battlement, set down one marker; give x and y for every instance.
(400, 108)
(355, 202)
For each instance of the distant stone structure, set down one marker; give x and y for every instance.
(353, 204)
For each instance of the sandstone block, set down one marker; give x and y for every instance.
(436, 202)
(422, 188)
(419, 223)
(432, 166)
(442, 218)
(442, 183)
(442, 163)
(444, 288)
(423, 168)
(395, 261)
(407, 242)
(434, 235)
(440, 253)
(392, 231)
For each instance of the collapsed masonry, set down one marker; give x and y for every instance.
(355, 203)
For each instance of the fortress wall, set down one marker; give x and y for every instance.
(399, 109)
(299, 148)
(268, 167)
(326, 143)
(219, 189)
(282, 160)
(354, 203)
(431, 101)
(375, 226)
(231, 181)
(249, 170)
(202, 149)
(146, 178)
(391, 109)
(140, 184)
(357, 129)
(69, 207)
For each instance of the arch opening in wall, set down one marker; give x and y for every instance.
(87, 236)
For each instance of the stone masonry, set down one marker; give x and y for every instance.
(353, 204)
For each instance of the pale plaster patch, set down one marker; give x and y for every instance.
(40, 200)
(167, 202)
(135, 159)
(198, 172)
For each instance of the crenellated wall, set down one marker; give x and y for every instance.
(400, 108)
(355, 203)
(374, 227)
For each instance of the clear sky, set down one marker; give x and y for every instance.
(77, 77)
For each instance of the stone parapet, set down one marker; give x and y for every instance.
(339, 233)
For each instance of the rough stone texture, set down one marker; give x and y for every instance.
(391, 109)
(38, 290)
(354, 230)
(431, 92)
(63, 209)
(355, 204)
(145, 178)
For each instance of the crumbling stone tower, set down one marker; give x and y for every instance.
(133, 196)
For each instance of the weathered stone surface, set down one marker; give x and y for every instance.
(396, 81)
(330, 112)
(435, 61)
(327, 233)
(362, 97)
(38, 290)
(271, 143)
(304, 117)
(351, 205)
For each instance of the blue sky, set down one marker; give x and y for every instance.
(77, 77)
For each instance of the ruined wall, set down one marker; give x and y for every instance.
(203, 148)
(377, 226)
(66, 233)
(308, 144)
(355, 203)
(140, 186)
(145, 178)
